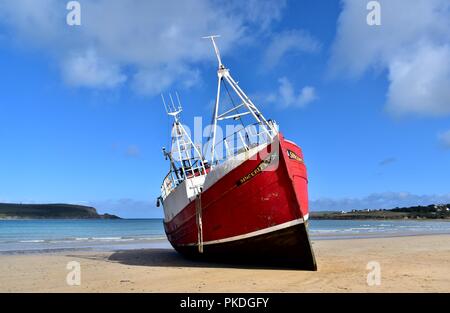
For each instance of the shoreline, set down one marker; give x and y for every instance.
(152, 243)
(375, 236)
(408, 264)
(163, 243)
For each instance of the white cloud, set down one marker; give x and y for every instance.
(307, 95)
(412, 45)
(444, 139)
(293, 42)
(261, 12)
(420, 83)
(153, 80)
(89, 70)
(286, 96)
(150, 44)
(387, 200)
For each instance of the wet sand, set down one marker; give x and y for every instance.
(408, 264)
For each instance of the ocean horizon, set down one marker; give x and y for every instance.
(37, 236)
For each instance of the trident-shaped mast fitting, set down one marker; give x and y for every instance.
(171, 107)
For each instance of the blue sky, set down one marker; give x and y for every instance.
(81, 119)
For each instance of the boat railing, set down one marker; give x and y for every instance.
(168, 185)
(243, 139)
(174, 178)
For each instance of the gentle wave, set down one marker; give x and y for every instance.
(107, 238)
(82, 238)
(31, 241)
(86, 239)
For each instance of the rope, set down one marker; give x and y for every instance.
(198, 209)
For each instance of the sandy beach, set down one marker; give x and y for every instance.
(408, 264)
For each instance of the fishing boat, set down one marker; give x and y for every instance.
(241, 198)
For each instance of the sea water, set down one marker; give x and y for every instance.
(25, 236)
(348, 229)
(53, 235)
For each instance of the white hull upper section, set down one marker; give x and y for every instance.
(180, 197)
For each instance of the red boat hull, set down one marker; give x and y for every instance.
(256, 212)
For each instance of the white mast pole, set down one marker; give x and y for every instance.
(216, 108)
(216, 112)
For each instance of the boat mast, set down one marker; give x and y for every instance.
(224, 73)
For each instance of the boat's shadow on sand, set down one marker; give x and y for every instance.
(171, 258)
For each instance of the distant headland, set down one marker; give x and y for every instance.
(434, 211)
(50, 211)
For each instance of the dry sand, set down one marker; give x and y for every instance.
(408, 264)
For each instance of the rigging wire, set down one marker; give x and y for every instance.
(213, 117)
(237, 110)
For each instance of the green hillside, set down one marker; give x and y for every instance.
(441, 211)
(50, 211)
